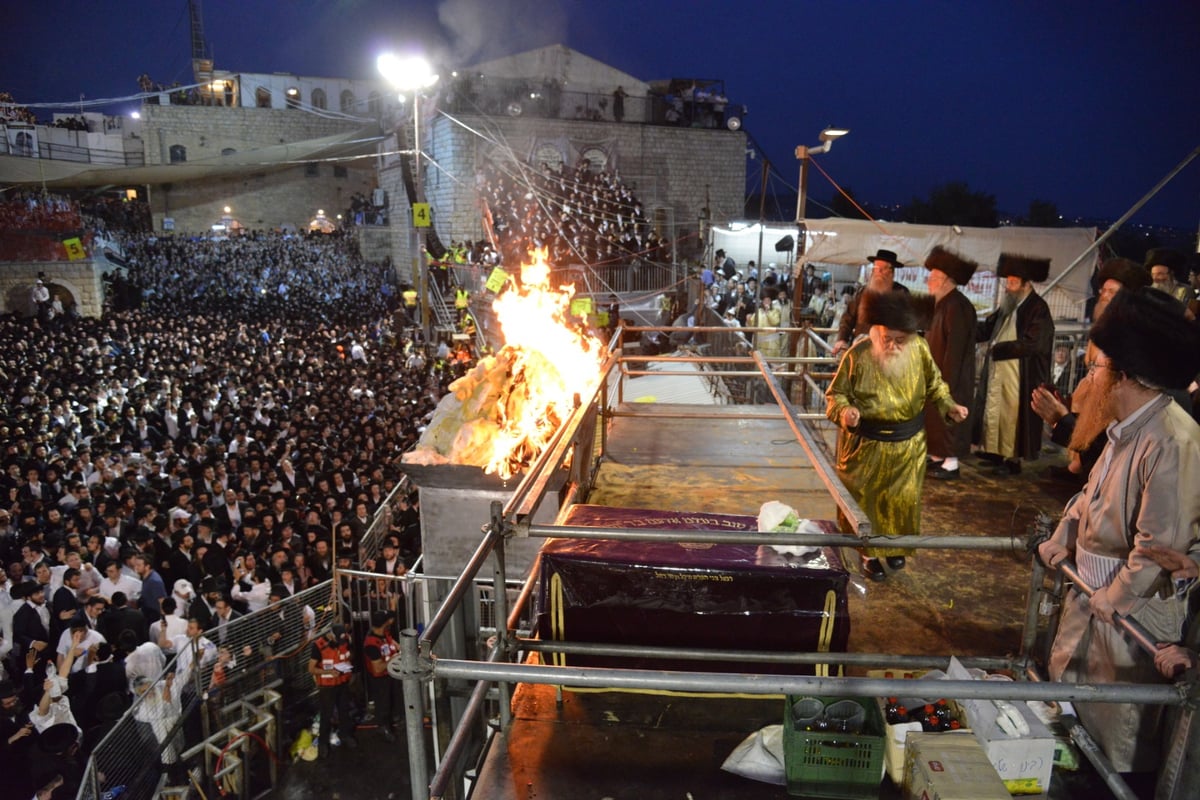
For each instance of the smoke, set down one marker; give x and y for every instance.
(481, 30)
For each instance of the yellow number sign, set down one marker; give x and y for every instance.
(75, 251)
(496, 280)
(421, 215)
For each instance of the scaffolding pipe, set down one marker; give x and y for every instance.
(1137, 632)
(500, 613)
(414, 711)
(951, 542)
(456, 748)
(1087, 745)
(739, 683)
(883, 660)
(459, 589)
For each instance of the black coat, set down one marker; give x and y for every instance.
(27, 627)
(951, 337)
(1032, 348)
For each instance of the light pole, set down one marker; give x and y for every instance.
(412, 74)
(828, 137)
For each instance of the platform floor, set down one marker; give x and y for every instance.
(613, 745)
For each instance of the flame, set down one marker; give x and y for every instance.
(502, 414)
(554, 360)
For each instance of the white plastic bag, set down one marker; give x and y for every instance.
(759, 757)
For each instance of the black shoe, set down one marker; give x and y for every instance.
(895, 562)
(388, 736)
(991, 458)
(942, 474)
(873, 569)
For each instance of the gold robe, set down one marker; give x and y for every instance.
(885, 477)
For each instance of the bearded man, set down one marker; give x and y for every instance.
(876, 400)
(1168, 269)
(1116, 274)
(854, 321)
(1020, 336)
(1140, 495)
(951, 337)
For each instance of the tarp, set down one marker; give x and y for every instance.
(841, 246)
(68, 174)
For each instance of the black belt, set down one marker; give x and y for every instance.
(890, 431)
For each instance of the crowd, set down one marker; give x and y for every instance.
(11, 112)
(581, 215)
(29, 210)
(203, 450)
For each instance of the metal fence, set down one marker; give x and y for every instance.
(180, 699)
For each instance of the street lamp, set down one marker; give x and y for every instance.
(412, 74)
(828, 137)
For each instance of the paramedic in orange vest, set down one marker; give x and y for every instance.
(330, 665)
(378, 649)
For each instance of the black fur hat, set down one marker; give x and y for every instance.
(958, 268)
(889, 309)
(1129, 274)
(1027, 268)
(1145, 335)
(1165, 256)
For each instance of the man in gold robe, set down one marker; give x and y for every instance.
(876, 399)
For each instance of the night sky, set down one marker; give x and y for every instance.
(1083, 104)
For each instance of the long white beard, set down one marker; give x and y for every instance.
(893, 365)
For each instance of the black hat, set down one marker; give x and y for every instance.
(380, 618)
(1145, 334)
(1129, 274)
(279, 590)
(209, 585)
(57, 739)
(889, 309)
(955, 266)
(1166, 257)
(886, 255)
(1027, 268)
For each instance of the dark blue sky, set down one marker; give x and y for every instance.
(1084, 104)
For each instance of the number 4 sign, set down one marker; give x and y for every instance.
(420, 212)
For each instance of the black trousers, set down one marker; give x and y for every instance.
(329, 698)
(385, 692)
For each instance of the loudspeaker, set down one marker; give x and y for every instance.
(785, 244)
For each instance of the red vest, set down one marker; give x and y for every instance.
(332, 653)
(387, 648)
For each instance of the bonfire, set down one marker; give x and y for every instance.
(502, 414)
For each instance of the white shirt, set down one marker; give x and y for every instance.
(176, 627)
(183, 663)
(90, 638)
(132, 587)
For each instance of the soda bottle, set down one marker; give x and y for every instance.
(891, 711)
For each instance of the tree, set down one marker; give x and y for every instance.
(1042, 214)
(953, 204)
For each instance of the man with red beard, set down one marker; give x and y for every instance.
(1116, 274)
(876, 399)
(1140, 493)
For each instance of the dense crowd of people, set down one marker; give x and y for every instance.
(208, 446)
(581, 215)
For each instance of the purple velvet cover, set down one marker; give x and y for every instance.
(733, 597)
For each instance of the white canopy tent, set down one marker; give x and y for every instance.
(840, 247)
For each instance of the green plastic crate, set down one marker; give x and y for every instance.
(834, 765)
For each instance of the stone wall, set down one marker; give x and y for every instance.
(289, 196)
(81, 280)
(678, 171)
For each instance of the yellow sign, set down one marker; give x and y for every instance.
(420, 213)
(75, 250)
(496, 280)
(581, 306)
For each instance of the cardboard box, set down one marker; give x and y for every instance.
(949, 766)
(1023, 762)
(894, 735)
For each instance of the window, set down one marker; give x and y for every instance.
(262, 97)
(318, 98)
(373, 104)
(178, 154)
(227, 151)
(312, 170)
(339, 171)
(596, 158)
(348, 101)
(293, 97)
